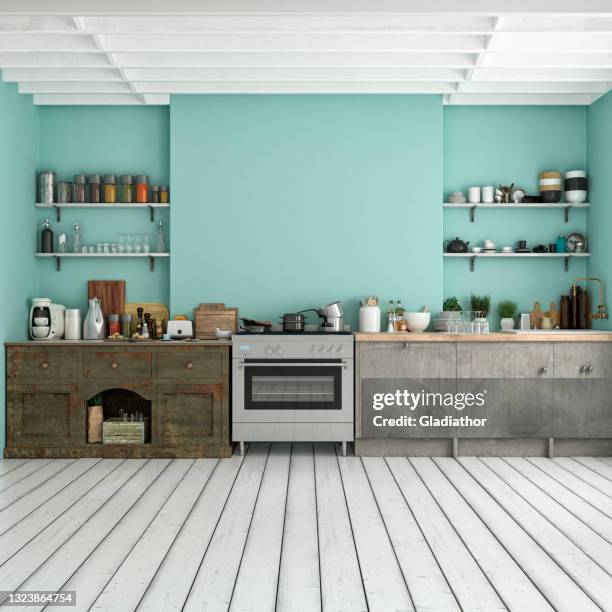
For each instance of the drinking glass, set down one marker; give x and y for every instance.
(121, 245)
(145, 244)
(128, 243)
(106, 248)
(137, 241)
(113, 247)
(98, 247)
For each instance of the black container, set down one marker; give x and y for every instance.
(294, 322)
(46, 238)
(550, 197)
(576, 184)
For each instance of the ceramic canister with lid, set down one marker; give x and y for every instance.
(72, 328)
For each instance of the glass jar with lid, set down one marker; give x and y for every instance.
(127, 188)
(164, 195)
(93, 181)
(110, 189)
(142, 189)
(79, 189)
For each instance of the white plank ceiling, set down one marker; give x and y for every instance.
(471, 52)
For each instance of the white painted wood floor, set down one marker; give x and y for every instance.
(302, 528)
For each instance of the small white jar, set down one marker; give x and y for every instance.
(72, 324)
(474, 195)
(369, 319)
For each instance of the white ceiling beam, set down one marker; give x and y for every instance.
(542, 74)
(231, 73)
(202, 7)
(27, 87)
(520, 99)
(97, 99)
(217, 60)
(520, 59)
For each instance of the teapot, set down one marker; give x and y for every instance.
(455, 246)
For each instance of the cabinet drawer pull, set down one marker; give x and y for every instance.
(582, 369)
(189, 365)
(589, 369)
(114, 365)
(44, 365)
(543, 370)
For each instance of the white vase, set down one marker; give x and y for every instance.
(507, 324)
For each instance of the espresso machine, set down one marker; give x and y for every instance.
(46, 320)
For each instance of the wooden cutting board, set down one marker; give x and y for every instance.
(111, 294)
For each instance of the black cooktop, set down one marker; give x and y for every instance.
(304, 333)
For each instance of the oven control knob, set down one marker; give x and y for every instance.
(321, 348)
(339, 349)
(313, 348)
(268, 349)
(278, 350)
(330, 348)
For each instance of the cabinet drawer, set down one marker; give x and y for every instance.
(126, 365)
(189, 365)
(41, 365)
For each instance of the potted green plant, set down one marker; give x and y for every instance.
(506, 310)
(481, 304)
(451, 311)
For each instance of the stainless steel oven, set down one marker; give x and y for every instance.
(293, 387)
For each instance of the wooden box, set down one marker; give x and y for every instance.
(209, 317)
(117, 431)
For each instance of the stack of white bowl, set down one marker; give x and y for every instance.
(457, 197)
(575, 186)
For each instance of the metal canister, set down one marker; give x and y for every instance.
(64, 191)
(126, 324)
(46, 186)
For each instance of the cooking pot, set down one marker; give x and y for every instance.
(332, 315)
(293, 322)
(455, 246)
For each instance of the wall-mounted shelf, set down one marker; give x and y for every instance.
(473, 256)
(58, 207)
(565, 206)
(59, 256)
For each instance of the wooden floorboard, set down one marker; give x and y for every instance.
(298, 528)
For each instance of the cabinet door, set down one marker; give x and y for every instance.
(189, 414)
(570, 393)
(45, 414)
(598, 383)
(407, 360)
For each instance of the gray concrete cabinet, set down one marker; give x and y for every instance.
(583, 386)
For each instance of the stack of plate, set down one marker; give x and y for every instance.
(550, 187)
(575, 186)
(457, 197)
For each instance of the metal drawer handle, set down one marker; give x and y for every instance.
(114, 365)
(582, 369)
(189, 365)
(341, 364)
(543, 370)
(590, 369)
(44, 365)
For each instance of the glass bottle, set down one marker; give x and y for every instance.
(145, 243)
(139, 322)
(76, 237)
(46, 237)
(62, 240)
(161, 241)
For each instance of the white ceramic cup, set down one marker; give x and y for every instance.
(488, 194)
(474, 195)
(488, 244)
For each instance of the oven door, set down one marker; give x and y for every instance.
(287, 391)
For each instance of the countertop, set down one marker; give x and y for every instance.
(115, 343)
(540, 336)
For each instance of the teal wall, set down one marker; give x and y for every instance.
(488, 145)
(17, 162)
(599, 133)
(105, 140)
(287, 202)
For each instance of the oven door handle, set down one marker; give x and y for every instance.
(339, 364)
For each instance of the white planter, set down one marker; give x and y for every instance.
(369, 319)
(507, 324)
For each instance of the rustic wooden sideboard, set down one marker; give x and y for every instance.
(182, 389)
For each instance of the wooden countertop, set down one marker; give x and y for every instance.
(118, 343)
(545, 336)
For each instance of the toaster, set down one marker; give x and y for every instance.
(180, 329)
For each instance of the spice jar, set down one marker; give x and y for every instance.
(142, 189)
(164, 196)
(113, 324)
(79, 189)
(155, 194)
(126, 325)
(110, 189)
(94, 188)
(46, 186)
(127, 189)
(64, 192)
